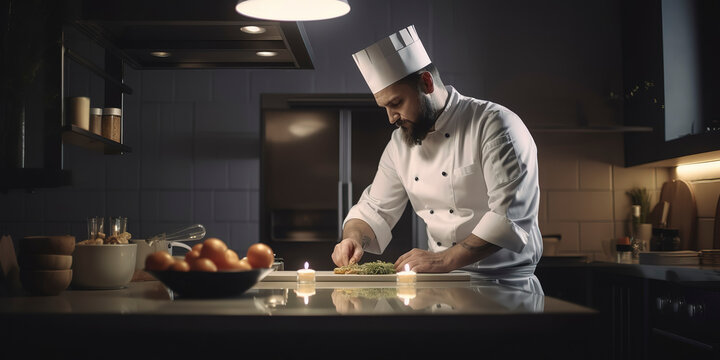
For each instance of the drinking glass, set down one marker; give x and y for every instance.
(96, 226)
(118, 225)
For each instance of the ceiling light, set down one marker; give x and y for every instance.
(160, 54)
(293, 10)
(266, 53)
(252, 29)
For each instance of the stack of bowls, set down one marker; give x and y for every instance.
(45, 263)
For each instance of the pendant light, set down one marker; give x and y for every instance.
(293, 10)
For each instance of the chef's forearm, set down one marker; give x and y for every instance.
(472, 249)
(360, 231)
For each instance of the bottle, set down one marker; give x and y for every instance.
(624, 251)
(635, 243)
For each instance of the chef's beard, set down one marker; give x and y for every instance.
(418, 130)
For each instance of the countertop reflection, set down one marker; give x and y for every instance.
(289, 298)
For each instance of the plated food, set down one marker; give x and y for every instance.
(370, 268)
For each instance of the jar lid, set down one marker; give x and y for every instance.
(623, 247)
(95, 111)
(112, 111)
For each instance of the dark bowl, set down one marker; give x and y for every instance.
(202, 284)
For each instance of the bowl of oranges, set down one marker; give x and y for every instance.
(211, 269)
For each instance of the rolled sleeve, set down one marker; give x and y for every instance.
(501, 231)
(381, 204)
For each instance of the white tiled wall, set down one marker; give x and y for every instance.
(584, 185)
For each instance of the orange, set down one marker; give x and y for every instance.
(203, 264)
(260, 256)
(180, 265)
(158, 261)
(213, 249)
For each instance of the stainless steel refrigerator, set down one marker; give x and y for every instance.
(319, 153)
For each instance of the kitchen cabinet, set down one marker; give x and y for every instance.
(622, 300)
(647, 311)
(30, 99)
(671, 81)
(683, 321)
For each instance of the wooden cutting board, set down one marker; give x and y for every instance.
(326, 276)
(682, 214)
(716, 233)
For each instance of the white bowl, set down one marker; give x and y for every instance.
(105, 266)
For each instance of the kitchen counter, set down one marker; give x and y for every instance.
(674, 273)
(273, 315)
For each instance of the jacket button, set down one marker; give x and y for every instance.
(416, 178)
(452, 211)
(439, 243)
(447, 135)
(444, 173)
(432, 212)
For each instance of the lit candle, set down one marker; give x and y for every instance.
(407, 293)
(407, 277)
(306, 275)
(306, 290)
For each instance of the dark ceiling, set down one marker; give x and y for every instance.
(197, 34)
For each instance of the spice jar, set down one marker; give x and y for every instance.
(111, 123)
(624, 251)
(96, 120)
(78, 111)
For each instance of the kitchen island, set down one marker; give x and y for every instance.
(381, 319)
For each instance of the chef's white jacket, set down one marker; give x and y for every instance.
(475, 173)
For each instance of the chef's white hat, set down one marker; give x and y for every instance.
(391, 59)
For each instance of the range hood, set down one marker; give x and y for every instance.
(196, 35)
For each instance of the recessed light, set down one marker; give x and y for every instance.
(266, 53)
(160, 54)
(253, 29)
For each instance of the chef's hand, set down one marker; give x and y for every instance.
(345, 303)
(423, 261)
(348, 251)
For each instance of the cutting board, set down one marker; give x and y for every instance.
(327, 276)
(716, 233)
(682, 214)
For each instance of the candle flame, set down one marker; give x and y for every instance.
(407, 267)
(306, 299)
(307, 266)
(407, 301)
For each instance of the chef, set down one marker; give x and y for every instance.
(468, 167)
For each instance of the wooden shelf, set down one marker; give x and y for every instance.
(83, 138)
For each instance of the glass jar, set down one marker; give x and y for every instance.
(111, 123)
(624, 253)
(96, 121)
